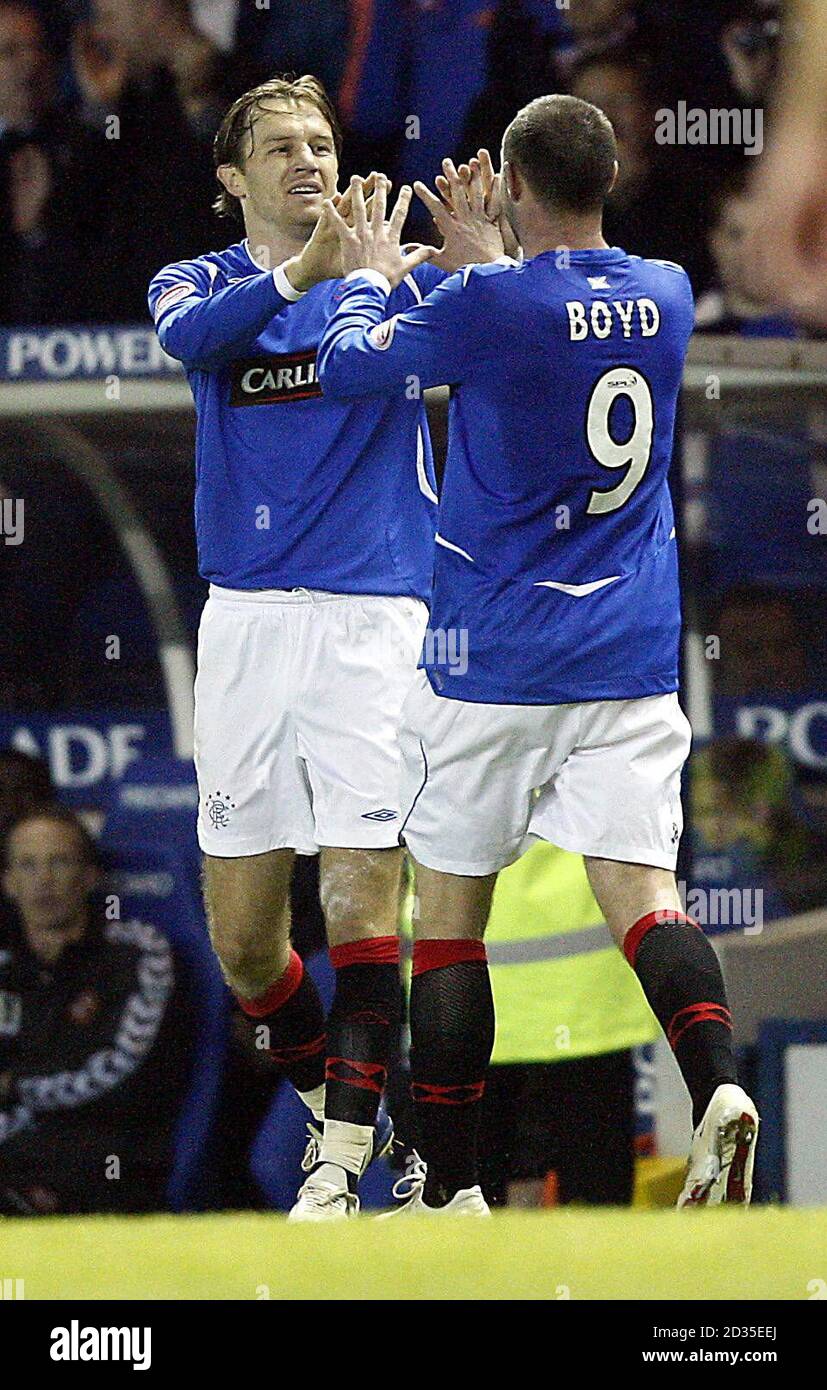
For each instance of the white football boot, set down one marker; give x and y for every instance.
(323, 1199)
(722, 1154)
(408, 1189)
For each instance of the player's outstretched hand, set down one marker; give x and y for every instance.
(469, 217)
(372, 243)
(321, 258)
(343, 202)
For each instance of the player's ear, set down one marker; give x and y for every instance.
(232, 179)
(511, 179)
(614, 177)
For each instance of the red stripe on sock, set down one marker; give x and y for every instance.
(466, 1094)
(705, 1012)
(635, 934)
(298, 1051)
(376, 950)
(279, 992)
(365, 1076)
(434, 954)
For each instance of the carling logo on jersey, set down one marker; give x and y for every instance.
(289, 376)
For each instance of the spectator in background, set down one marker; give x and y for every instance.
(152, 88)
(654, 210)
(764, 643)
(127, 45)
(92, 1053)
(40, 145)
(405, 57)
(25, 781)
(750, 43)
(597, 26)
(733, 304)
(748, 831)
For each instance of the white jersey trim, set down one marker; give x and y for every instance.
(578, 590)
(421, 475)
(373, 277)
(283, 286)
(449, 545)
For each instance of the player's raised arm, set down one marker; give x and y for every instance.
(202, 329)
(362, 352)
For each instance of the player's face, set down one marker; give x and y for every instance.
(291, 167)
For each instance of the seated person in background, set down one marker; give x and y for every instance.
(734, 305)
(92, 1064)
(24, 781)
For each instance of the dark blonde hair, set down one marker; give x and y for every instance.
(236, 130)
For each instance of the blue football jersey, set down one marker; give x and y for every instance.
(294, 490)
(556, 575)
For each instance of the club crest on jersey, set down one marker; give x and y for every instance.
(218, 810)
(382, 334)
(289, 376)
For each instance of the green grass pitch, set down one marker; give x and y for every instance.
(771, 1253)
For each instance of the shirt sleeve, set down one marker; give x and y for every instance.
(363, 352)
(204, 329)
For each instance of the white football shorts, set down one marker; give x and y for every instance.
(298, 697)
(481, 782)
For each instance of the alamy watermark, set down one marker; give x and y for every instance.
(723, 907)
(695, 125)
(12, 511)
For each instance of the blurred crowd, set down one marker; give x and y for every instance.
(108, 109)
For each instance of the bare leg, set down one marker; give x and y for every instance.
(248, 911)
(627, 892)
(676, 966)
(451, 905)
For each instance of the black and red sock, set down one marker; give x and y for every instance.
(362, 1028)
(452, 1036)
(292, 1013)
(682, 980)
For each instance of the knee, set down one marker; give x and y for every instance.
(249, 951)
(360, 898)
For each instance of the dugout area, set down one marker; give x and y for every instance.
(765, 1253)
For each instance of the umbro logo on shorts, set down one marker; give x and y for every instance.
(288, 376)
(384, 814)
